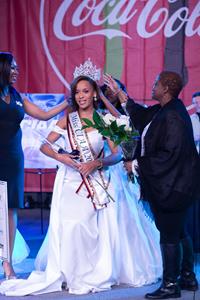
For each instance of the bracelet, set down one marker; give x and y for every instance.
(101, 164)
(117, 92)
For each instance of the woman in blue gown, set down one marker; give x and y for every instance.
(12, 109)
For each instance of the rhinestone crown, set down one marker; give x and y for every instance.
(88, 69)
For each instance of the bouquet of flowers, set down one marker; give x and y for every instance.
(119, 130)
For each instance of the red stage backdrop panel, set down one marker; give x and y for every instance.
(130, 39)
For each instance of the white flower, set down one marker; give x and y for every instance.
(108, 119)
(124, 120)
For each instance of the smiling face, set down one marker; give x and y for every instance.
(14, 72)
(84, 94)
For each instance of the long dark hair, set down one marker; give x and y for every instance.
(5, 67)
(74, 86)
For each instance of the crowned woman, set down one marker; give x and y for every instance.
(98, 235)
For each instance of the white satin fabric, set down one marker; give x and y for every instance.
(91, 250)
(20, 250)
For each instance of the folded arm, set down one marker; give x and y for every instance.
(47, 148)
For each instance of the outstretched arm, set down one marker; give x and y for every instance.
(36, 112)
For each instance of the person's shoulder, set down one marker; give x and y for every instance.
(171, 108)
(175, 111)
(174, 105)
(155, 107)
(15, 93)
(13, 90)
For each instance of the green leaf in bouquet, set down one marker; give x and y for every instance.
(97, 119)
(122, 135)
(121, 130)
(105, 132)
(88, 122)
(114, 126)
(122, 127)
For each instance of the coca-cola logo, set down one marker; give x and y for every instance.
(151, 20)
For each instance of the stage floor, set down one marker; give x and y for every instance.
(33, 228)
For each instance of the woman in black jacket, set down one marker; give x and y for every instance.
(169, 168)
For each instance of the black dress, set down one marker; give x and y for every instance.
(11, 154)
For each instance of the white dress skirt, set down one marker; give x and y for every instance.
(20, 250)
(92, 250)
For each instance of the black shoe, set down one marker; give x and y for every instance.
(188, 281)
(165, 291)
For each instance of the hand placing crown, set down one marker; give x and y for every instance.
(88, 69)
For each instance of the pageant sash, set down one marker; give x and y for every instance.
(96, 184)
(4, 232)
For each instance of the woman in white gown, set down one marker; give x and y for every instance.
(92, 242)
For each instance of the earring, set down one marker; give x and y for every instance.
(95, 98)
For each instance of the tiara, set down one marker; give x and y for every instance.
(87, 69)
